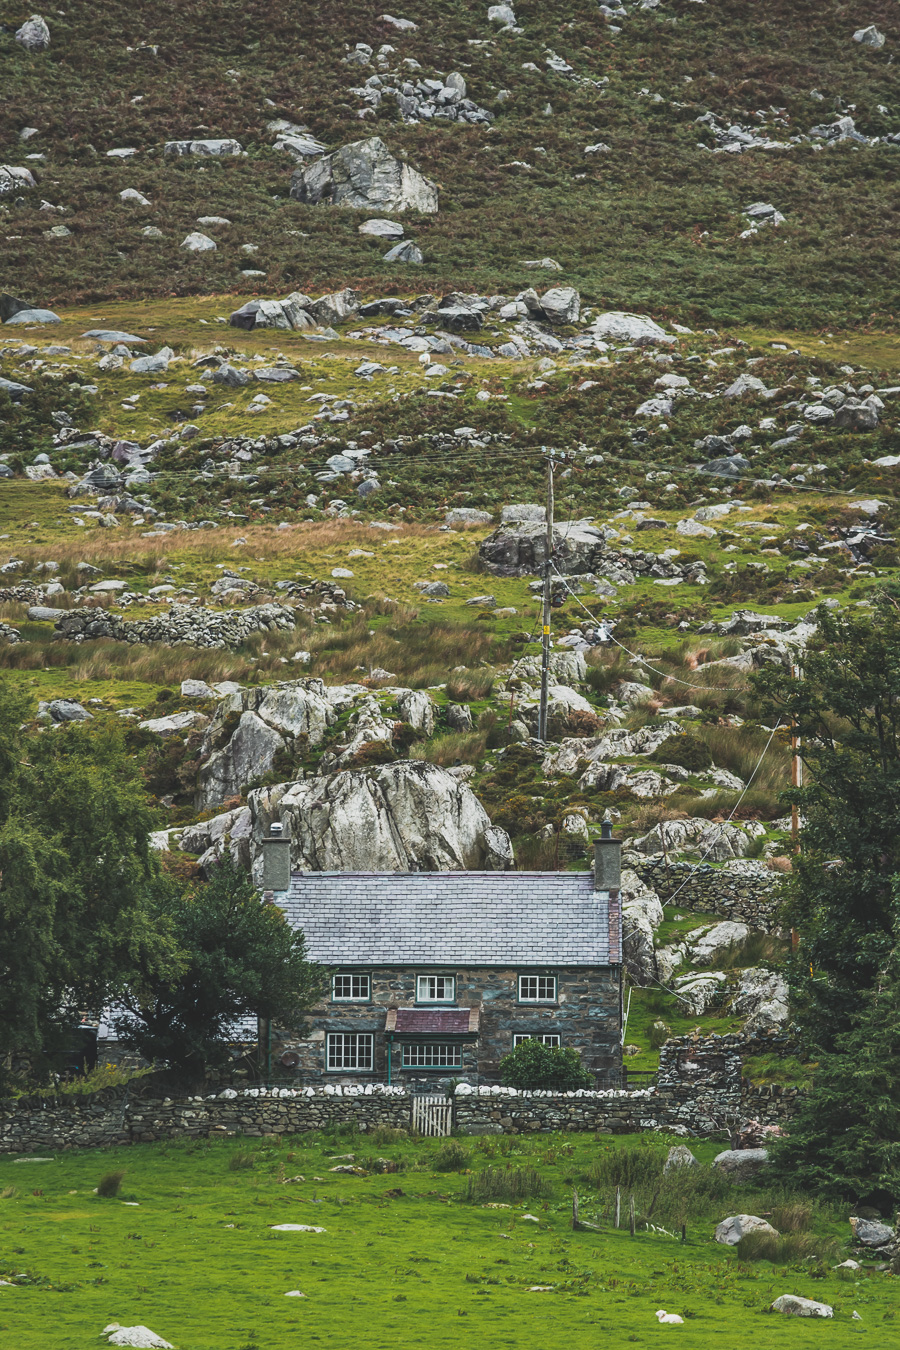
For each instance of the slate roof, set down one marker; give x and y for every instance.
(453, 918)
(432, 1021)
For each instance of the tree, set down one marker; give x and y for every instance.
(77, 878)
(535, 1065)
(239, 959)
(845, 1137)
(846, 708)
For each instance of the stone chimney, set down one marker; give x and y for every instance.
(607, 860)
(276, 851)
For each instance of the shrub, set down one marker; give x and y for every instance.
(535, 1065)
(506, 1183)
(451, 1157)
(109, 1185)
(686, 750)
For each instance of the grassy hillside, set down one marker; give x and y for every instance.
(407, 1256)
(653, 222)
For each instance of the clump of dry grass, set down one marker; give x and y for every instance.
(455, 747)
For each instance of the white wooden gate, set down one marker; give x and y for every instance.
(432, 1115)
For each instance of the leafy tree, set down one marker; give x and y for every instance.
(77, 877)
(535, 1065)
(845, 1138)
(239, 959)
(846, 708)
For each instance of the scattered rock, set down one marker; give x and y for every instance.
(141, 1337)
(731, 1230)
(13, 179)
(406, 252)
(382, 229)
(34, 316)
(638, 330)
(680, 1156)
(801, 1307)
(866, 37)
(216, 148)
(196, 242)
(871, 1233)
(35, 35)
(741, 1164)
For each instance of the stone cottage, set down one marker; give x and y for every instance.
(438, 975)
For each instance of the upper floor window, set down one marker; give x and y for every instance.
(545, 1037)
(435, 989)
(347, 988)
(537, 988)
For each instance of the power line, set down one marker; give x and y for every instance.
(712, 688)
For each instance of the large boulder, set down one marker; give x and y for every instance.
(405, 817)
(364, 175)
(716, 940)
(796, 1306)
(731, 1230)
(519, 548)
(251, 726)
(35, 35)
(679, 1156)
(638, 330)
(34, 316)
(561, 304)
(741, 1164)
(870, 1232)
(15, 179)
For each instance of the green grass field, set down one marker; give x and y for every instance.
(188, 1249)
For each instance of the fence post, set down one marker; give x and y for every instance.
(618, 1205)
(631, 1214)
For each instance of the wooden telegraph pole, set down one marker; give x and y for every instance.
(545, 630)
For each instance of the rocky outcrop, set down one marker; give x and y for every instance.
(365, 176)
(405, 817)
(641, 916)
(761, 997)
(251, 726)
(519, 548)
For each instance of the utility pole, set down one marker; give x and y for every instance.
(545, 632)
(797, 782)
(796, 773)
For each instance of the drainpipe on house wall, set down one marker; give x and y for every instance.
(390, 1043)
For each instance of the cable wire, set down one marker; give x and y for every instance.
(711, 688)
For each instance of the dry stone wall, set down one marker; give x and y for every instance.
(699, 1091)
(744, 892)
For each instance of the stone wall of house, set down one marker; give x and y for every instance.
(699, 1091)
(586, 1016)
(744, 892)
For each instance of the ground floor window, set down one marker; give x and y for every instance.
(423, 1055)
(350, 1050)
(545, 1037)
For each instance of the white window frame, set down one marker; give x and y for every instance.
(355, 996)
(354, 1049)
(543, 984)
(545, 1037)
(427, 986)
(431, 1055)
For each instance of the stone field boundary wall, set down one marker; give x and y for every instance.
(699, 1092)
(751, 898)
